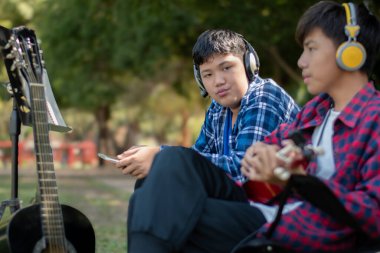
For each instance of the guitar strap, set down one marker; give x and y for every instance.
(325, 200)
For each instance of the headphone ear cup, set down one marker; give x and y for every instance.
(251, 65)
(351, 56)
(198, 80)
(248, 65)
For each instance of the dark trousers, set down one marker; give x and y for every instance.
(187, 204)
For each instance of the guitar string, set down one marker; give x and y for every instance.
(47, 182)
(47, 177)
(45, 205)
(38, 147)
(51, 180)
(39, 150)
(36, 119)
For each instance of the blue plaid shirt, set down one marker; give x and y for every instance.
(265, 106)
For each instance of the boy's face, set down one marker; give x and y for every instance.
(225, 80)
(318, 63)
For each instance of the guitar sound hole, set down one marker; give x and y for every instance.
(41, 248)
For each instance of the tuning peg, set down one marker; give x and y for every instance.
(8, 86)
(24, 108)
(13, 67)
(11, 55)
(7, 46)
(17, 64)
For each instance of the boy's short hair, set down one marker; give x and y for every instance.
(219, 41)
(330, 17)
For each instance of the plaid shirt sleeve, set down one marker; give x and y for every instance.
(263, 109)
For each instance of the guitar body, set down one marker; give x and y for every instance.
(24, 231)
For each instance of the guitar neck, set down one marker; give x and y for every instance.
(51, 213)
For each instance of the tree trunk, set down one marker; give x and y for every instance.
(283, 64)
(102, 115)
(186, 134)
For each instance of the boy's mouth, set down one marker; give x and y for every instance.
(222, 92)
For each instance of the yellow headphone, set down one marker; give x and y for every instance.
(351, 54)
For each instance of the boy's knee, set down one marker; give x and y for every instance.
(173, 153)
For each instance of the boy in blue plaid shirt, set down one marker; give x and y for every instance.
(183, 199)
(244, 107)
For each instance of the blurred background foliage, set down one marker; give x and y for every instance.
(121, 70)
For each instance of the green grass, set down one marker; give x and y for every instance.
(104, 204)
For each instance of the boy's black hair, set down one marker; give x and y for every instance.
(330, 17)
(218, 41)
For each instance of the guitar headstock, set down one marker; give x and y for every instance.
(26, 54)
(34, 55)
(24, 64)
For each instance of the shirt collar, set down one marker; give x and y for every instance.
(352, 112)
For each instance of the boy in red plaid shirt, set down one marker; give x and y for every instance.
(340, 45)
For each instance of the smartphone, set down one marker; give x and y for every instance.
(108, 158)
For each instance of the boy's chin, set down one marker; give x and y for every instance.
(229, 102)
(312, 91)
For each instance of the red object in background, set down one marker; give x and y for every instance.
(67, 154)
(88, 152)
(5, 144)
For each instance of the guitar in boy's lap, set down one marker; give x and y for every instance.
(264, 192)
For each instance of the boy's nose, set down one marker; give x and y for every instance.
(219, 79)
(301, 62)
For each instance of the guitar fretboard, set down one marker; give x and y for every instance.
(51, 213)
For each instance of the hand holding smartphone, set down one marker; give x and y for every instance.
(108, 158)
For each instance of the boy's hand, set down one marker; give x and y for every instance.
(137, 160)
(261, 160)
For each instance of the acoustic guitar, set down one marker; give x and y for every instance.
(46, 226)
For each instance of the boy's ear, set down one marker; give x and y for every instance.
(351, 55)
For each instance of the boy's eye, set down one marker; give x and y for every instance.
(226, 67)
(206, 75)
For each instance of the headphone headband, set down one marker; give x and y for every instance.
(351, 29)
(350, 13)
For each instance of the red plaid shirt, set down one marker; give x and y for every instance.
(356, 182)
